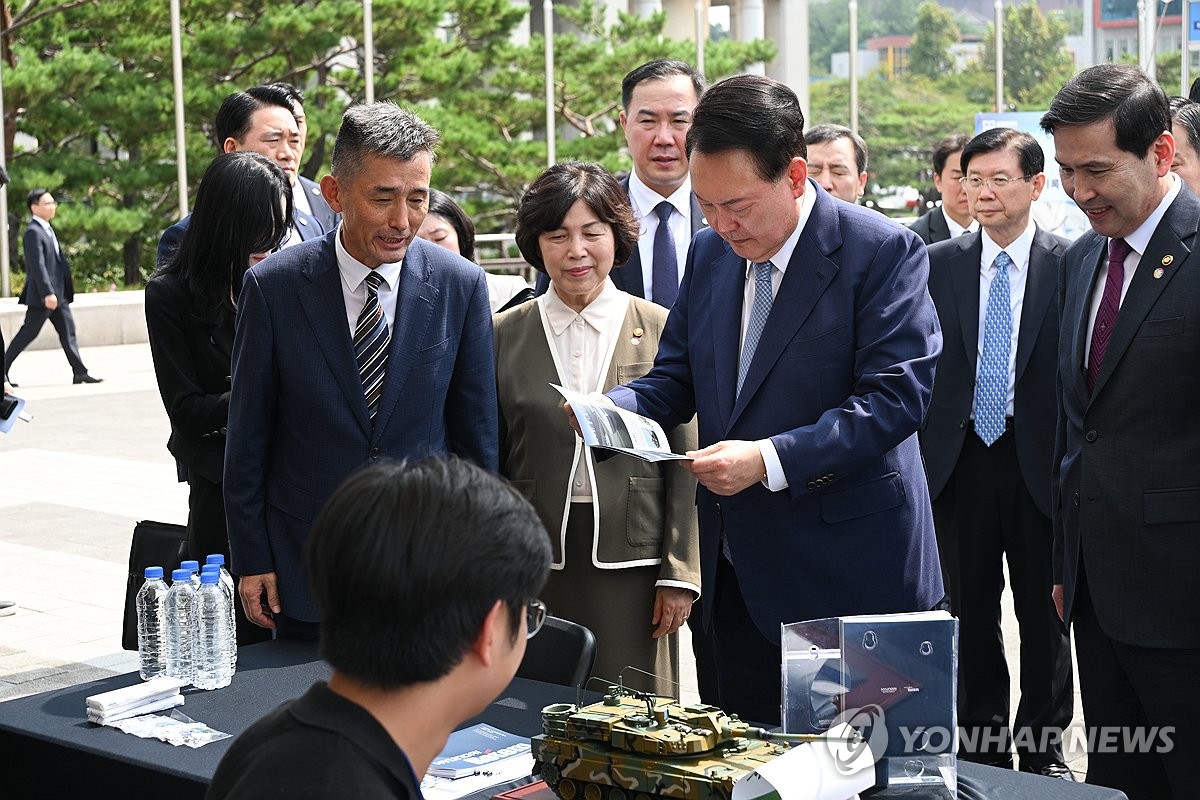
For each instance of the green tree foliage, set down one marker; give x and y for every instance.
(829, 26)
(936, 33)
(90, 81)
(1035, 63)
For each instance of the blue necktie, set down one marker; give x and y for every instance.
(759, 311)
(991, 390)
(664, 284)
(371, 339)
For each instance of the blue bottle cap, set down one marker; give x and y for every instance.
(210, 568)
(153, 573)
(194, 566)
(181, 575)
(215, 558)
(210, 577)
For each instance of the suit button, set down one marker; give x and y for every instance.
(374, 453)
(1091, 436)
(962, 426)
(812, 485)
(718, 508)
(1075, 499)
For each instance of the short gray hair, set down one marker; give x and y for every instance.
(380, 129)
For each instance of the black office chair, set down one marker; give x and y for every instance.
(563, 652)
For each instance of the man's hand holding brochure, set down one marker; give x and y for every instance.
(606, 427)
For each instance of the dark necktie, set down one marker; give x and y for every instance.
(760, 309)
(991, 390)
(371, 338)
(1110, 304)
(664, 286)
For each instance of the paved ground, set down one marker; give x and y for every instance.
(72, 485)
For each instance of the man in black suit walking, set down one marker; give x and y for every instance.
(953, 217)
(1126, 484)
(988, 444)
(49, 289)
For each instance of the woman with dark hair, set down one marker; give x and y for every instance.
(623, 531)
(242, 213)
(448, 226)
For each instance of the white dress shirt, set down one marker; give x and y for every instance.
(354, 285)
(644, 201)
(957, 230)
(1137, 241)
(776, 481)
(1018, 276)
(583, 342)
(49, 232)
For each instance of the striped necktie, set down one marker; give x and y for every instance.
(991, 390)
(371, 339)
(760, 309)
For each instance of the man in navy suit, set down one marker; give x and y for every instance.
(988, 442)
(363, 344)
(263, 119)
(49, 288)
(306, 194)
(804, 340)
(953, 217)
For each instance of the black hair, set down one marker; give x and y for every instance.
(237, 112)
(1029, 153)
(1187, 113)
(294, 94)
(757, 115)
(1121, 93)
(829, 132)
(243, 206)
(379, 129)
(406, 561)
(946, 148)
(444, 206)
(549, 198)
(657, 70)
(34, 196)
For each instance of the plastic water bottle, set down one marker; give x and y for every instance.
(194, 568)
(180, 625)
(214, 636)
(230, 588)
(152, 624)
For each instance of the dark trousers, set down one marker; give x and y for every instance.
(207, 535)
(62, 321)
(1127, 691)
(984, 515)
(748, 664)
(706, 661)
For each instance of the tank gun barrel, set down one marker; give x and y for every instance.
(748, 732)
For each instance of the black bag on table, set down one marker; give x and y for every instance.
(160, 544)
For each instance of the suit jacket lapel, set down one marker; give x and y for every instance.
(964, 278)
(306, 225)
(727, 287)
(325, 307)
(1166, 251)
(1040, 285)
(1088, 267)
(414, 308)
(628, 276)
(939, 229)
(804, 281)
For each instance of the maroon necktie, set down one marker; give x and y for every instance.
(1110, 304)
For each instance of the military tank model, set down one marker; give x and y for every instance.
(636, 746)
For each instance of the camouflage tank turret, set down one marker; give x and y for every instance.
(635, 746)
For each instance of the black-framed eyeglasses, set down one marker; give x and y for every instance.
(998, 183)
(535, 616)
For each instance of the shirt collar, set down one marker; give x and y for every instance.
(1139, 240)
(42, 222)
(599, 313)
(354, 272)
(645, 200)
(1018, 249)
(783, 256)
(957, 230)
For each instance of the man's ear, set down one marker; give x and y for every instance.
(798, 175)
(494, 635)
(330, 191)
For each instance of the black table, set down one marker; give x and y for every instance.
(48, 749)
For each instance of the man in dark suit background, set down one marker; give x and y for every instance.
(988, 443)
(263, 119)
(49, 288)
(813, 501)
(1126, 486)
(363, 344)
(837, 160)
(307, 195)
(953, 217)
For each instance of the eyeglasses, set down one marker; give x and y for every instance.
(998, 183)
(535, 615)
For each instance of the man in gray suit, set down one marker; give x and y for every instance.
(49, 288)
(988, 442)
(1126, 489)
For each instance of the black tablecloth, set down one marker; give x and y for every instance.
(48, 749)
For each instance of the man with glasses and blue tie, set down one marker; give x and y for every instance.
(988, 443)
(804, 340)
(426, 575)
